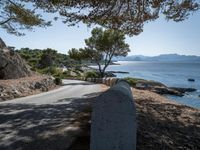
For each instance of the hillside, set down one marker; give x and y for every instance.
(38, 58)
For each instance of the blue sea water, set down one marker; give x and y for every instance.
(173, 74)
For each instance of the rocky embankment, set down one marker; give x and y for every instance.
(10, 89)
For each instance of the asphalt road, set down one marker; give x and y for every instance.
(71, 89)
(47, 121)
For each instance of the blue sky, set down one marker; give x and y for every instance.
(159, 37)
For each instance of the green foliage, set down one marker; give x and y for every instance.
(102, 46)
(32, 57)
(126, 16)
(131, 81)
(45, 61)
(58, 81)
(91, 74)
(55, 72)
(75, 54)
(36, 57)
(48, 70)
(48, 58)
(16, 16)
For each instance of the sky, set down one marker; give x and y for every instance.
(158, 37)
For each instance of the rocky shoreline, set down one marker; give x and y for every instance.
(160, 88)
(15, 88)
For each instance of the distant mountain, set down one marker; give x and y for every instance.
(163, 57)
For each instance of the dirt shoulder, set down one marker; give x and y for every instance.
(164, 124)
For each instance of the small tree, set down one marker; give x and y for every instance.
(48, 58)
(102, 46)
(75, 54)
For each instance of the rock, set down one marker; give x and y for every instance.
(162, 89)
(38, 85)
(167, 91)
(144, 84)
(191, 80)
(2, 44)
(12, 66)
(183, 90)
(109, 74)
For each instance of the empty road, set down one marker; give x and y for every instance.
(47, 121)
(71, 89)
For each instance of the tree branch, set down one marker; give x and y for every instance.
(6, 21)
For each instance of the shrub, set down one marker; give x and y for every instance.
(91, 74)
(131, 81)
(58, 81)
(52, 71)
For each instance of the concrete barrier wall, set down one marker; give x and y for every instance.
(106, 81)
(113, 125)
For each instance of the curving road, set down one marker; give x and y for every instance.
(71, 89)
(47, 121)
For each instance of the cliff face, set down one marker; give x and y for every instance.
(12, 66)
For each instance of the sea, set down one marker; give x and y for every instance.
(172, 74)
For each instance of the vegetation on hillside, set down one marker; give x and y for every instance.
(47, 61)
(38, 58)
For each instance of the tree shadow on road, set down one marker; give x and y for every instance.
(44, 127)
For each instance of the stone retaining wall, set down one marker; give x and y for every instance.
(107, 81)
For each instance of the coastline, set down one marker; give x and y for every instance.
(172, 74)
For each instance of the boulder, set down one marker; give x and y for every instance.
(167, 91)
(12, 66)
(191, 80)
(183, 90)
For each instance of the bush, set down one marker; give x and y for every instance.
(91, 75)
(58, 81)
(48, 70)
(52, 71)
(131, 81)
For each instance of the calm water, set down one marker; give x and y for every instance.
(172, 74)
